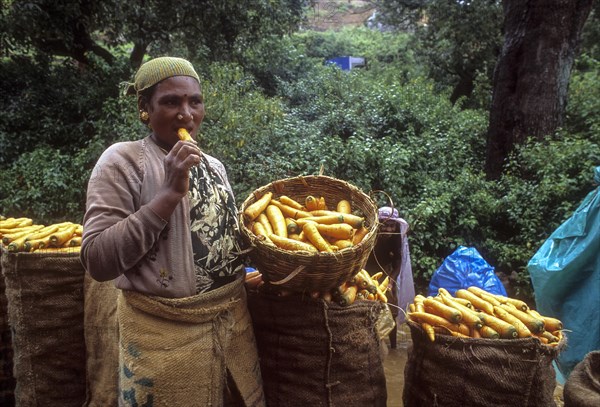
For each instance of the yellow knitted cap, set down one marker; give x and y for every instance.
(158, 69)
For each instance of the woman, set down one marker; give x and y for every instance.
(161, 222)
(392, 257)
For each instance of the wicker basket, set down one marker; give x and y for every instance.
(304, 271)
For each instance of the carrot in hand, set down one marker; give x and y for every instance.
(184, 135)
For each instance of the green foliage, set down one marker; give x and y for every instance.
(458, 41)
(51, 103)
(275, 110)
(43, 185)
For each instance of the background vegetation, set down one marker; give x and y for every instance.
(275, 109)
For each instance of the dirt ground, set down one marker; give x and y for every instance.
(393, 366)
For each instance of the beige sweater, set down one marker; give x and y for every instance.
(124, 239)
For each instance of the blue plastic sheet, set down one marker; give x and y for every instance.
(565, 274)
(464, 268)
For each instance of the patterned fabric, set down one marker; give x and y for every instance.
(159, 69)
(215, 229)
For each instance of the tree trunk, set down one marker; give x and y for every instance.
(531, 78)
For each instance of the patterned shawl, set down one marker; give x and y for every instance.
(215, 229)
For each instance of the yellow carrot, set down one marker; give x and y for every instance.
(488, 332)
(377, 276)
(290, 244)
(348, 296)
(517, 303)
(344, 206)
(436, 320)
(522, 330)
(74, 241)
(311, 203)
(535, 325)
(58, 238)
(469, 316)
(286, 200)
(343, 243)
(504, 329)
(292, 226)
(312, 234)
(255, 209)
(339, 231)
(478, 302)
(259, 230)
(289, 211)
(20, 232)
(276, 220)
(484, 295)
(442, 310)
(359, 235)
(184, 135)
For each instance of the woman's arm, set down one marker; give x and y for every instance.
(118, 230)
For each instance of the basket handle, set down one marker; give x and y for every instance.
(287, 278)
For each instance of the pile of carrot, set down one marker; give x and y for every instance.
(361, 287)
(308, 226)
(476, 313)
(23, 235)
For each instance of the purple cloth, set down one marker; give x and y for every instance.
(403, 269)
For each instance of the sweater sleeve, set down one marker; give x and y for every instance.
(118, 230)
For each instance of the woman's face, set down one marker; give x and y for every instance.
(177, 102)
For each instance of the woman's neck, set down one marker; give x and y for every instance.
(163, 146)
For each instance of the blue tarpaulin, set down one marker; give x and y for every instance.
(347, 63)
(565, 274)
(462, 269)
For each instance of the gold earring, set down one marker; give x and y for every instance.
(144, 116)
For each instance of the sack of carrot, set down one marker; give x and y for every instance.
(309, 233)
(479, 349)
(476, 313)
(318, 353)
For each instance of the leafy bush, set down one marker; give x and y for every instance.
(53, 103)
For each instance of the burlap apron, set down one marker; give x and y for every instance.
(101, 342)
(177, 352)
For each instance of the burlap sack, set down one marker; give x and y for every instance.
(7, 381)
(314, 353)
(456, 372)
(45, 310)
(101, 342)
(176, 352)
(582, 388)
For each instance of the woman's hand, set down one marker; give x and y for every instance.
(178, 162)
(183, 156)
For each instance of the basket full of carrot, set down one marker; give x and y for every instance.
(309, 233)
